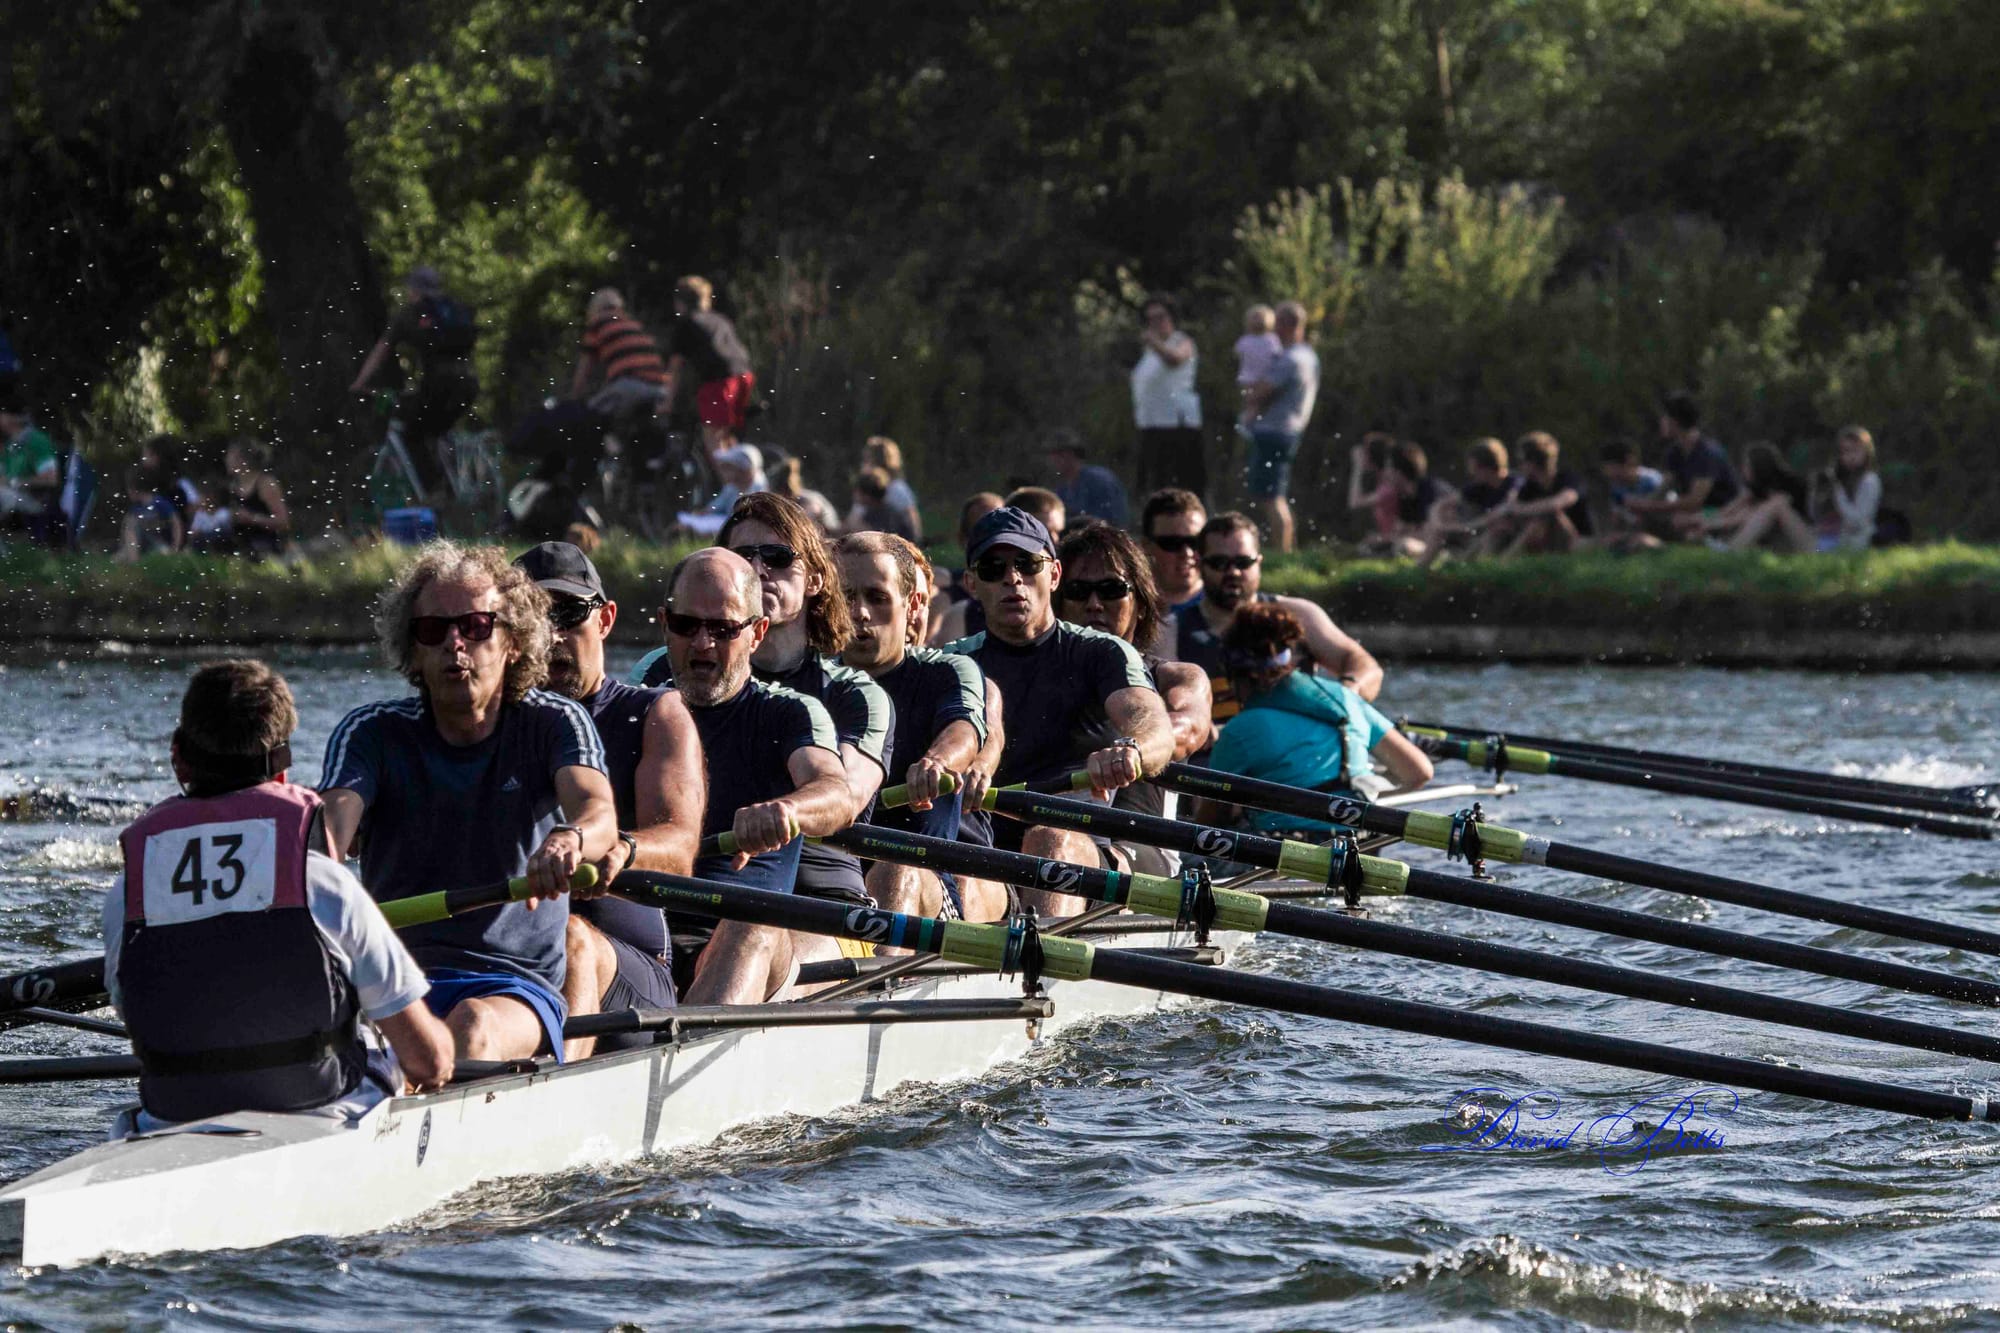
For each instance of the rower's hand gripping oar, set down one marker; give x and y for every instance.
(425, 908)
(999, 948)
(893, 798)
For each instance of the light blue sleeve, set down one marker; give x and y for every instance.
(1369, 716)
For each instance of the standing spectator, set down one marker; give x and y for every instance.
(1165, 406)
(1547, 512)
(788, 480)
(30, 474)
(1086, 489)
(622, 358)
(706, 356)
(441, 333)
(1704, 481)
(1280, 408)
(885, 455)
(260, 523)
(1848, 495)
(1171, 521)
(872, 510)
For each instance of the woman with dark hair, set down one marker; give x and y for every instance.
(1165, 406)
(1772, 507)
(1302, 729)
(1107, 585)
(810, 624)
(260, 523)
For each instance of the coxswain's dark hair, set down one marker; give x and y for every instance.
(237, 720)
(1264, 638)
(1116, 548)
(828, 626)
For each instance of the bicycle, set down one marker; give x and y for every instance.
(469, 465)
(645, 491)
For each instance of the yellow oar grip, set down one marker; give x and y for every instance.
(1378, 874)
(1156, 895)
(1428, 829)
(894, 798)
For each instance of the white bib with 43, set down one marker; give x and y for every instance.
(208, 869)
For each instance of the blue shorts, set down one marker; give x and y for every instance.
(1269, 475)
(642, 982)
(449, 985)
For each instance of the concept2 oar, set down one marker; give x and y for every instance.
(425, 908)
(1456, 835)
(1191, 898)
(1009, 948)
(1977, 801)
(1505, 757)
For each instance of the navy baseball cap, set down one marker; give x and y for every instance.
(561, 567)
(1008, 526)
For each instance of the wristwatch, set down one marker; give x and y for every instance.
(631, 846)
(571, 828)
(1138, 757)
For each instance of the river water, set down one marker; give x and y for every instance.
(1205, 1166)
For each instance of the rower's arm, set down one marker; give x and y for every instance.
(1140, 713)
(344, 809)
(1407, 766)
(821, 800)
(863, 777)
(1189, 699)
(671, 789)
(1334, 649)
(978, 775)
(585, 796)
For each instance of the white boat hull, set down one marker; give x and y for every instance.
(267, 1178)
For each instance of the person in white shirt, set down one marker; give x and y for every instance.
(1165, 407)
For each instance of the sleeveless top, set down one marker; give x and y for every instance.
(233, 1000)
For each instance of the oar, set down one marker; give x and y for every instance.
(1976, 800)
(84, 1068)
(1006, 948)
(1176, 898)
(1447, 833)
(54, 986)
(425, 908)
(1506, 757)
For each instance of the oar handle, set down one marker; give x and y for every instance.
(894, 798)
(1077, 781)
(425, 908)
(725, 843)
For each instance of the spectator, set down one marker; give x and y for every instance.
(622, 358)
(872, 511)
(1165, 407)
(1257, 354)
(788, 480)
(1418, 497)
(1626, 478)
(1458, 525)
(706, 361)
(1369, 487)
(441, 333)
(742, 469)
(1703, 480)
(1086, 490)
(30, 473)
(260, 523)
(1043, 504)
(1547, 513)
(1771, 507)
(885, 454)
(1279, 408)
(1848, 495)
(1172, 521)
(158, 499)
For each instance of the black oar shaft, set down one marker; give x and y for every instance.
(1433, 830)
(705, 1018)
(80, 978)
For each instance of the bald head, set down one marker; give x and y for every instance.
(714, 621)
(718, 579)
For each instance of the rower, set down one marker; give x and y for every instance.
(480, 777)
(617, 950)
(1171, 521)
(1062, 687)
(242, 957)
(1301, 729)
(1232, 570)
(940, 714)
(1107, 585)
(774, 776)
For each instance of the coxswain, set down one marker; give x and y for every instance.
(1301, 729)
(1232, 570)
(1108, 586)
(617, 950)
(940, 709)
(243, 958)
(480, 777)
(774, 776)
(1063, 687)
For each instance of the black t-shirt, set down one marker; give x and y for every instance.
(1706, 459)
(1414, 508)
(930, 691)
(1484, 496)
(620, 712)
(862, 717)
(1053, 693)
(709, 343)
(1564, 480)
(441, 332)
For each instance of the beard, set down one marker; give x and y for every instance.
(1228, 598)
(565, 676)
(704, 684)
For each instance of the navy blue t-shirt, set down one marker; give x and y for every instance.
(930, 690)
(1579, 513)
(620, 712)
(441, 816)
(1706, 459)
(862, 717)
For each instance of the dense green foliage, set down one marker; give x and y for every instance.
(934, 220)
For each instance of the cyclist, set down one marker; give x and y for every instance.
(622, 356)
(705, 352)
(441, 332)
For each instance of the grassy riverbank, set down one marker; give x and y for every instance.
(1697, 594)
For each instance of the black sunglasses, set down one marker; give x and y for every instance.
(1178, 545)
(1082, 590)
(1218, 563)
(722, 631)
(473, 627)
(566, 613)
(993, 568)
(773, 554)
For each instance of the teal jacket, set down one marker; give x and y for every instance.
(1308, 732)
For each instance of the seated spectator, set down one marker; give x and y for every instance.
(1847, 496)
(158, 500)
(1703, 482)
(260, 523)
(584, 537)
(1369, 488)
(788, 480)
(1547, 512)
(1458, 526)
(742, 471)
(1045, 505)
(1418, 496)
(621, 359)
(1086, 490)
(884, 453)
(872, 511)
(30, 472)
(1626, 478)
(1771, 508)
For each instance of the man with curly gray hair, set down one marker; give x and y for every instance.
(480, 777)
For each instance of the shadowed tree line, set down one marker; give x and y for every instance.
(932, 220)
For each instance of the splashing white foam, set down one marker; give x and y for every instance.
(73, 854)
(1922, 770)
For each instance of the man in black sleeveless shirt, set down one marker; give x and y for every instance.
(617, 949)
